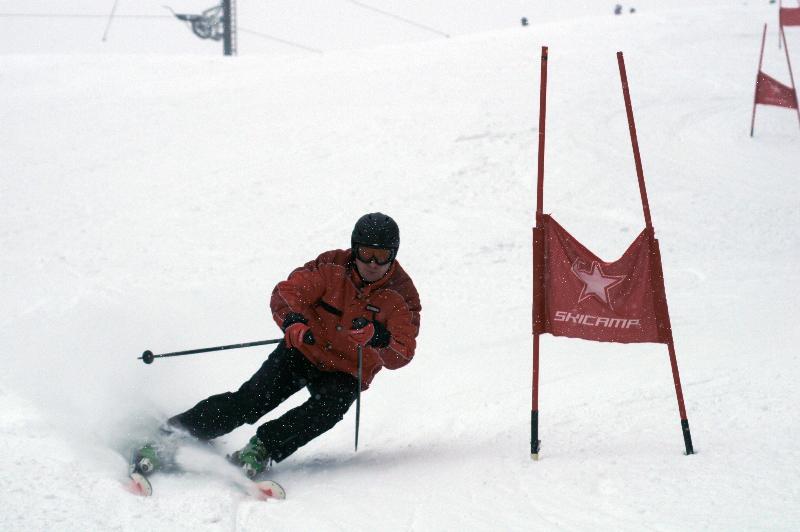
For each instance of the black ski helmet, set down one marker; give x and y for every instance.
(376, 230)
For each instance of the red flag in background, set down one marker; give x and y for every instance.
(770, 91)
(789, 16)
(585, 297)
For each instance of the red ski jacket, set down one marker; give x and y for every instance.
(330, 294)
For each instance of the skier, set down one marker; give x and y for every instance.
(322, 308)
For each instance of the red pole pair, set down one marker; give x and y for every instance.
(538, 260)
(781, 37)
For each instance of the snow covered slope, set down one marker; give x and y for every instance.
(153, 201)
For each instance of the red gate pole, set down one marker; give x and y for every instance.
(634, 141)
(538, 262)
(542, 115)
(755, 97)
(664, 318)
(791, 75)
(662, 312)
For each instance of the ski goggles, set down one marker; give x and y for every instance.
(379, 256)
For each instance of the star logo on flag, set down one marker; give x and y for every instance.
(595, 282)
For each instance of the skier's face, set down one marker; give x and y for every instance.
(372, 271)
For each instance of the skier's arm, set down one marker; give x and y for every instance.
(291, 298)
(396, 340)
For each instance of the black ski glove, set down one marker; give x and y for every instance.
(381, 337)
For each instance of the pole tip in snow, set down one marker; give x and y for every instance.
(147, 357)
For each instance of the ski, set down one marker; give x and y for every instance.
(264, 489)
(139, 483)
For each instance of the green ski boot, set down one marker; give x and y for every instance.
(253, 458)
(147, 459)
(159, 453)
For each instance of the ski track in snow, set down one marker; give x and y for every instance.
(153, 201)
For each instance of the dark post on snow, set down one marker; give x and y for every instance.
(229, 27)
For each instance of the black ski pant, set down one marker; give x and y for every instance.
(285, 372)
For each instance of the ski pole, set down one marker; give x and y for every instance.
(110, 18)
(358, 397)
(359, 323)
(148, 356)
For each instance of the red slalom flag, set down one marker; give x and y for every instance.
(789, 16)
(585, 297)
(770, 91)
(578, 295)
